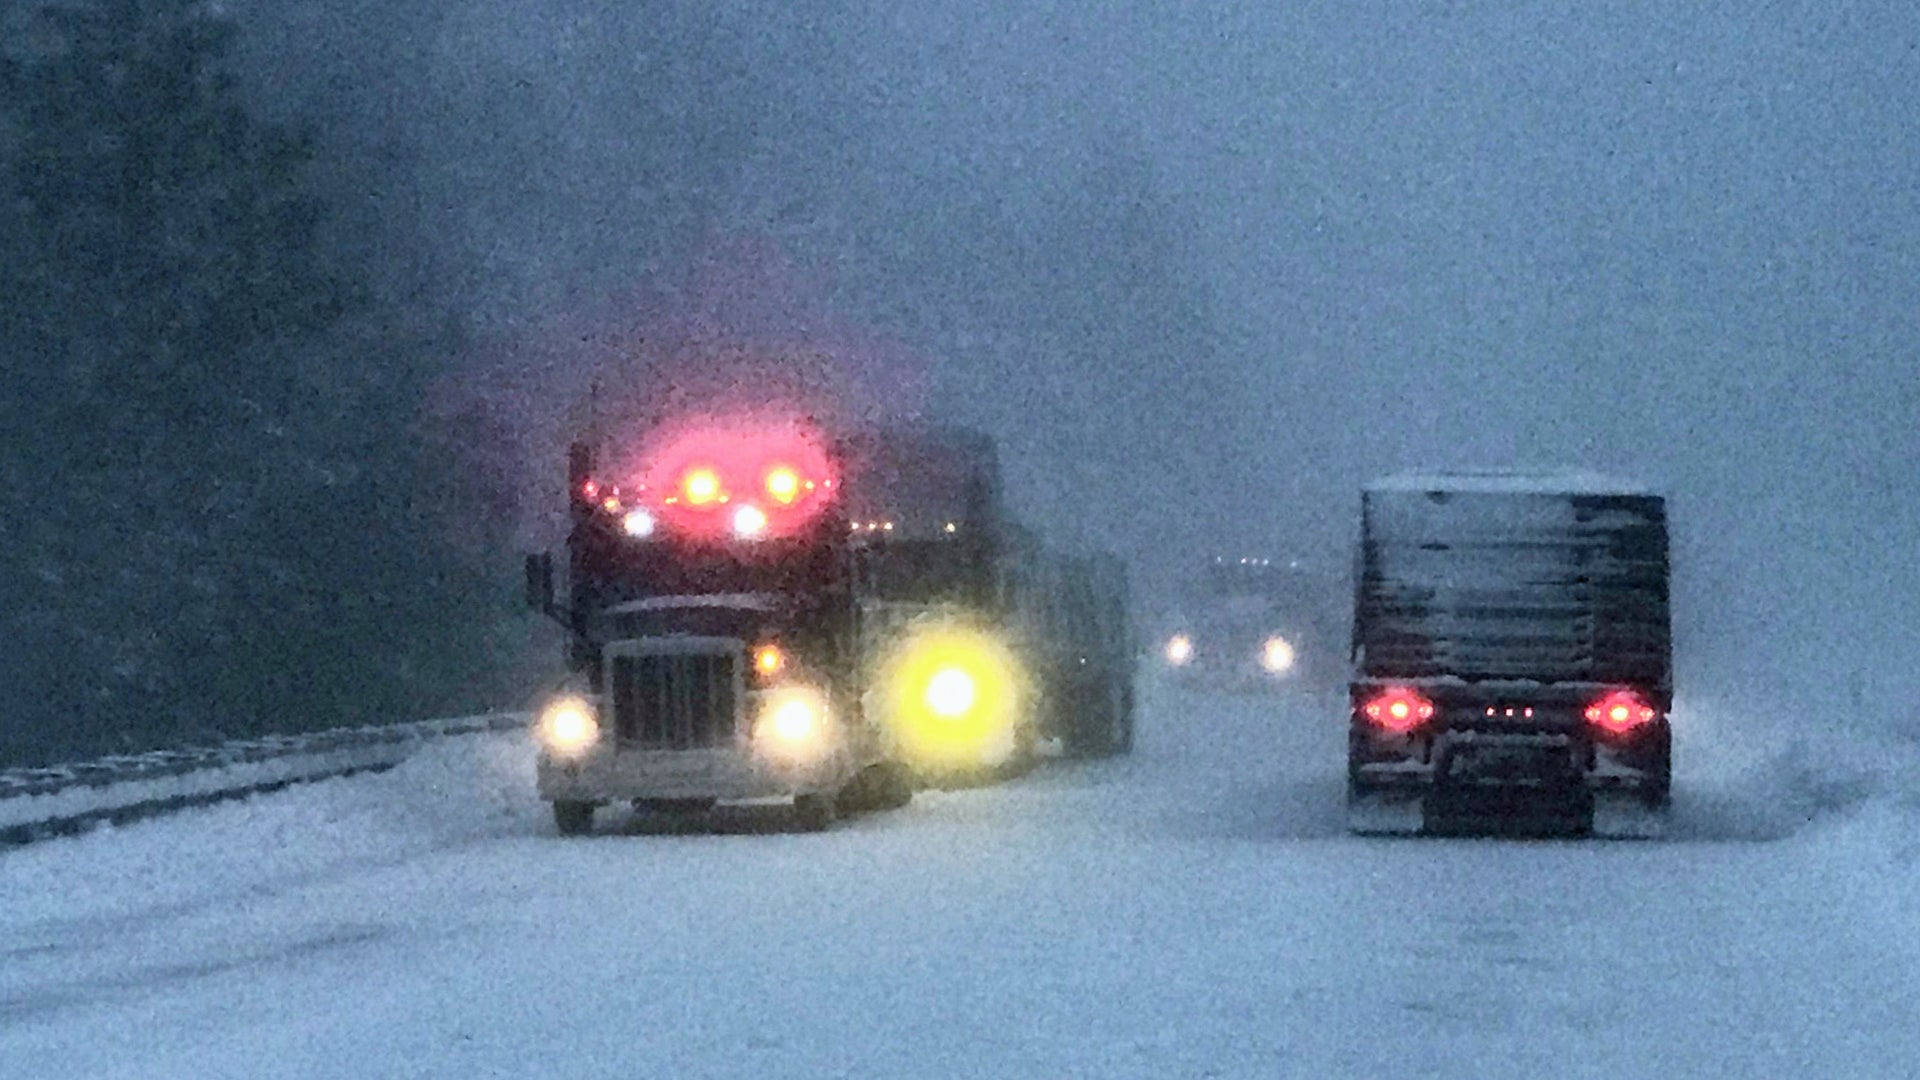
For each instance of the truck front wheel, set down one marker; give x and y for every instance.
(816, 812)
(573, 818)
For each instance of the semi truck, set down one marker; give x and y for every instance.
(1511, 664)
(765, 612)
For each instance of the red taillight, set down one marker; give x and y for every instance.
(1620, 712)
(1398, 709)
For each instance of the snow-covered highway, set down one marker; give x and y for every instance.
(1194, 911)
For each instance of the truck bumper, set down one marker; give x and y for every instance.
(609, 776)
(1504, 810)
(1519, 784)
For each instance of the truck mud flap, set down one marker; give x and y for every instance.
(1628, 817)
(1501, 810)
(1384, 813)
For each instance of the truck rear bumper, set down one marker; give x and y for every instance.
(1519, 784)
(727, 775)
(1417, 805)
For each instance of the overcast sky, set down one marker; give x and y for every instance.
(1679, 242)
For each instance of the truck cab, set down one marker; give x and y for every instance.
(757, 612)
(1511, 662)
(714, 640)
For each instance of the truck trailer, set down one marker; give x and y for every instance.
(1511, 662)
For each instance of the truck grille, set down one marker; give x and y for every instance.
(675, 701)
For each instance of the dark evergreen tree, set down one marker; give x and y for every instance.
(208, 465)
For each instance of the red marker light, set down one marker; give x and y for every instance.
(1398, 710)
(1620, 712)
(770, 478)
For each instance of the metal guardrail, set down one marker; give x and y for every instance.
(64, 799)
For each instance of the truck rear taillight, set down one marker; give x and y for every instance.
(1398, 710)
(1620, 712)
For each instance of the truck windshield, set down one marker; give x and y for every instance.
(621, 572)
(924, 572)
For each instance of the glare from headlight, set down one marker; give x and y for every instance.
(793, 720)
(1276, 655)
(950, 693)
(1179, 650)
(568, 726)
(792, 723)
(638, 523)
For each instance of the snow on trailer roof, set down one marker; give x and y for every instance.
(1511, 482)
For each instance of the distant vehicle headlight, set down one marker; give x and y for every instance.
(568, 726)
(1179, 650)
(638, 523)
(1276, 655)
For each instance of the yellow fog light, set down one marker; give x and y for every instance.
(950, 693)
(952, 696)
(1276, 655)
(568, 726)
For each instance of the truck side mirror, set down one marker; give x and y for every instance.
(540, 582)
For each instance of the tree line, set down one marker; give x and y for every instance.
(242, 261)
(215, 514)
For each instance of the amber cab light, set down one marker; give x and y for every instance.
(768, 661)
(1398, 709)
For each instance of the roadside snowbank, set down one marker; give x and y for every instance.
(450, 792)
(1754, 776)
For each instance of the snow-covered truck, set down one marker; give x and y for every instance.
(758, 612)
(1511, 664)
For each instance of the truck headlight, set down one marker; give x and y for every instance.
(568, 726)
(792, 723)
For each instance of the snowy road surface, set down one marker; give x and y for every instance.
(1194, 911)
